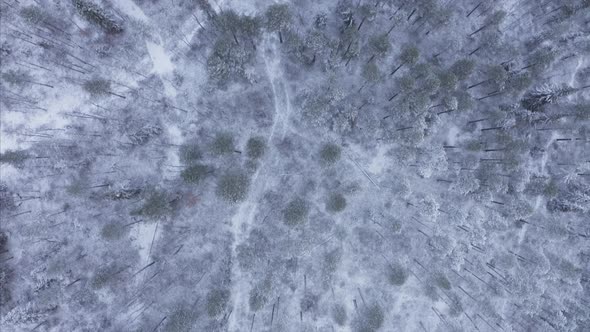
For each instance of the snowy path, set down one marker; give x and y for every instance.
(244, 217)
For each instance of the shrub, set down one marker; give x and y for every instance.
(190, 153)
(233, 187)
(442, 281)
(330, 154)
(256, 147)
(15, 158)
(156, 205)
(370, 319)
(180, 320)
(296, 212)
(309, 302)
(258, 296)
(195, 174)
(97, 87)
(339, 314)
(336, 202)
(97, 15)
(463, 68)
(223, 144)
(216, 301)
(112, 231)
(397, 275)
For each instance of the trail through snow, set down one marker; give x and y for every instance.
(244, 217)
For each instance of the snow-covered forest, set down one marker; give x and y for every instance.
(302, 165)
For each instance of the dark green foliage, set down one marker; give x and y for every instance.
(16, 77)
(409, 55)
(233, 187)
(397, 275)
(309, 302)
(97, 87)
(448, 80)
(227, 61)
(216, 301)
(256, 147)
(278, 17)
(380, 44)
(330, 153)
(336, 202)
(369, 319)
(158, 204)
(97, 15)
(195, 174)
(349, 43)
(371, 72)
(112, 231)
(32, 14)
(463, 68)
(296, 212)
(190, 153)
(536, 99)
(103, 276)
(258, 296)
(332, 259)
(339, 314)
(442, 281)
(15, 158)
(223, 144)
(181, 320)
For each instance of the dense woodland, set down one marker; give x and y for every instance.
(334, 165)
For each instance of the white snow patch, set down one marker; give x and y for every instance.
(130, 8)
(163, 65)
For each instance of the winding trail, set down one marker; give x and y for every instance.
(243, 220)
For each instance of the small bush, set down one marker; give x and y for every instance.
(339, 314)
(233, 187)
(157, 205)
(112, 231)
(190, 153)
(97, 87)
(180, 320)
(296, 212)
(442, 281)
(15, 158)
(330, 154)
(258, 297)
(336, 203)
(223, 144)
(397, 275)
(195, 174)
(256, 147)
(370, 319)
(97, 15)
(309, 302)
(216, 301)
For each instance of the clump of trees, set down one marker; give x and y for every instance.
(233, 186)
(216, 301)
(397, 275)
(336, 202)
(223, 144)
(256, 147)
(157, 204)
(15, 158)
(98, 16)
(195, 174)
(370, 318)
(295, 213)
(181, 319)
(330, 154)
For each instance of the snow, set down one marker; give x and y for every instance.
(162, 65)
(130, 8)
